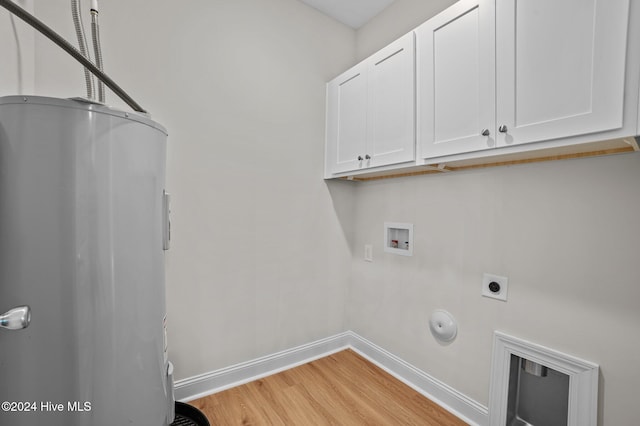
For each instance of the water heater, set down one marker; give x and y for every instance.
(83, 227)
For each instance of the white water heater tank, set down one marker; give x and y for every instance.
(82, 222)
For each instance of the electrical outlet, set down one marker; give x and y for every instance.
(495, 286)
(368, 252)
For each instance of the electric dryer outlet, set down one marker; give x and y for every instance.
(495, 286)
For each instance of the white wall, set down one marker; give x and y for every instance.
(259, 260)
(17, 53)
(565, 234)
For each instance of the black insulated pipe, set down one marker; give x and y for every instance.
(62, 43)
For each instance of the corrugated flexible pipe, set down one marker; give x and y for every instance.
(18, 55)
(82, 44)
(97, 50)
(64, 45)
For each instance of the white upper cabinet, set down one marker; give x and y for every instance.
(391, 103)
(506, 80)
(560, 68)
(456, 83)
(347, 120)
(370, 111)
(498, 73)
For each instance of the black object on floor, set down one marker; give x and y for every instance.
(188, 415)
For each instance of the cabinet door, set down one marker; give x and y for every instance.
(456, 80)
(347, 121)
(560, 67)
(391, 104)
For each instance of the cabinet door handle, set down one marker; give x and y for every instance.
(367, 157)
(485, 132)
(502, 129)
(360, 158)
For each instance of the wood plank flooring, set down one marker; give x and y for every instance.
(341, 389)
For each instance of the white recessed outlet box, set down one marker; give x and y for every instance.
(398, 238)
(495, 286)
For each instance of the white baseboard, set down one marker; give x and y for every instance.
(225, 378)
(444, 395)
(450, 399)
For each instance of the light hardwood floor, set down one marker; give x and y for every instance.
(341, 389)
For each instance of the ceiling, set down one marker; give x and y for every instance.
(354, 13)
